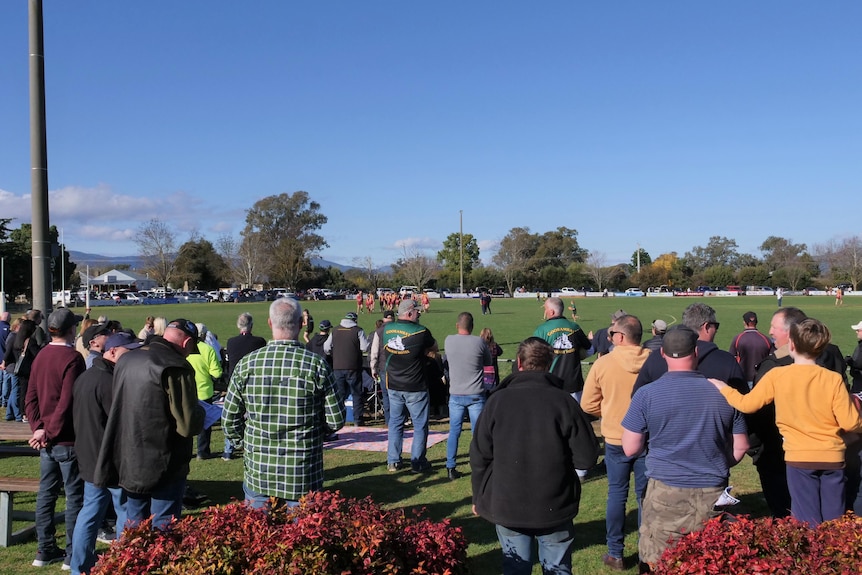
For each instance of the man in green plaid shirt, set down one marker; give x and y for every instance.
(281, 403)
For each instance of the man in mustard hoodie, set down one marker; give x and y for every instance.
(608, 394)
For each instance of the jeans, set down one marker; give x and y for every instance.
(58, 466)
(555, 549)
(96, 502)
(228, 449)
(620, 468)
(349, 382)
(416, 403)
(164, 504)
(257, 500)
(384, 399)
(15, 399)
(5, 384)
(458, 404)
(204, 439)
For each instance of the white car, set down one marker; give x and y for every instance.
(635, 292)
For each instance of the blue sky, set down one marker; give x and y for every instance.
(659, 123)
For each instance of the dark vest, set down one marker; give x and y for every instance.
(346, 353)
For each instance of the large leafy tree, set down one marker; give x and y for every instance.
(719, 251)
(641, 258)
(200, 265)
(157, 246)
(517, 248)
(450, 256)
(781, 252)
(559, 248)
(286, 227)
(16, 247)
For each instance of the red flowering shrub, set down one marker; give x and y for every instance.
(326, 534)
(766, 545)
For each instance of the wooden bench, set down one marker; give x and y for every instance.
(8, 487)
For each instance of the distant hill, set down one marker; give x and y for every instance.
(135, 262)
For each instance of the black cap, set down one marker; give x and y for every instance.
(62, 319)
(94, 330)
(679, 341)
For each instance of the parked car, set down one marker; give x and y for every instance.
(634, 292)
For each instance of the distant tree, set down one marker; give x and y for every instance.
(644, 259)
(450, 256)
(597, 269)
(371, 272)
(198, 264)
(843, 258)
(780, 252)
(754, 276)
(514, 255)
(415, 268)
(719, 276)
(244, 258)
(485, 276)
(558, 247)
(552, 277)
(157, 248)
(285, 225)
(16, 247)
(719, 251)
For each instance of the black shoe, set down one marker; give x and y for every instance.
(423, 468)
(453, 473)
(48, 557)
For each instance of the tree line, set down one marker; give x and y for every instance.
(282, 236)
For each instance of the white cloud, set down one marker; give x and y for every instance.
(418, 244)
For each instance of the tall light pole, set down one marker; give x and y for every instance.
(2, 285)
(41, 248)
(461, 247)
(639, 257)
(62, 269)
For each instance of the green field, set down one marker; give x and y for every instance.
(360, 473)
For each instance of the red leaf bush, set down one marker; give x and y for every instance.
(326, 534)
(742, 545)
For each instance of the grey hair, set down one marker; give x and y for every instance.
(696, 315)
(244, 322)
(285, 313)
(202, 330)
(555, 304)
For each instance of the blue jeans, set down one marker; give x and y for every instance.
(96, 501)
(384, 399)
(349, 382)
(257, 500)
(473, 405)
(416, 403)
(620, 468)
(5, 383)
(14, 409)
(58, 466)
(164, 504)
(555, 549)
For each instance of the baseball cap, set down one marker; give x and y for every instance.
(94, 330)
(62, 319)
(857, 326)
(749, 317)
(325, 325)
(618, 314)
(188, 328)
(388, 313)
(351, 315)
(407, 305)
(122, 339)
(659, 325)
(679, 341)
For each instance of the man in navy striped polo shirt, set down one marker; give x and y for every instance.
(694, 439)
